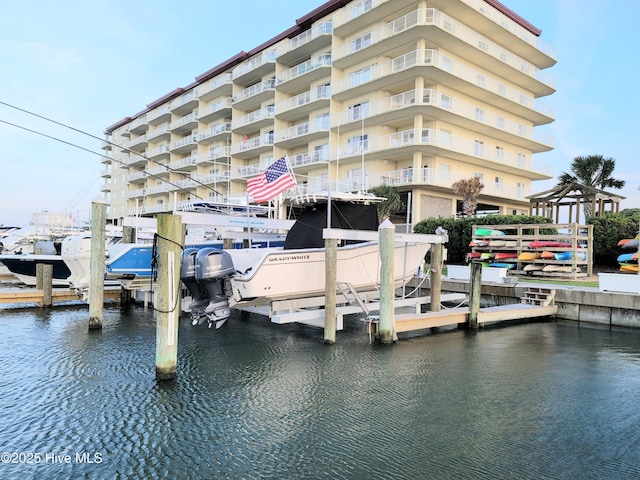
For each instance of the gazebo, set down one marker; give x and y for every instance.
(574, 196)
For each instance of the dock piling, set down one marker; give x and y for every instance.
(169, 244)
(97, 262)
(437, 254)
(330, 267)
(475, 291)
(386, 233)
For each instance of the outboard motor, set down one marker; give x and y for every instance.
(199, 295)
(213, 269)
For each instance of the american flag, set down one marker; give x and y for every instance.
(273, 181)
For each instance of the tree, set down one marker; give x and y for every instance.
(468, 189)
(392, 204)
(592, 171)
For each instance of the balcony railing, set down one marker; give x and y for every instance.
(253, 63)
(431, 16)
(217, 153)
(156, 132)
(428, 136)
(323, 60)
(323, 29)
(309, 158)
(255, 89)
(251, 143)
(430, 176)
(184, 162)
(190, 118)
(255, 116)
(301, 129)
(436, 59)
(446, 102)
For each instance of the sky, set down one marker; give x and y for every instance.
(89, 64)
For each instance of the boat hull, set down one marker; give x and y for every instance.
(301, 272)
(23, 267)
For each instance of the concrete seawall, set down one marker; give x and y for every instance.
(580, 304)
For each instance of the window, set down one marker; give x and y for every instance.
(361, 42)
(502, 89)
(359, 111)
(356, 178)
(499, 154)
(445, 101)
(447, 64)
(444, 137)
(321, 152)
(520, 189)
(482, 44)
(324, 91)
(478, 148)
(357, 144)
(522, 130)
(499, 184)
(522, 160)
(479, 114)
(478, 175)
(481, 80)
(360, 77)
(501, 122)
(323, 122)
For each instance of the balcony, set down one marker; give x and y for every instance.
(300, 105)
(106, 146)
(302, 133)
(139, 125)
(188, 163)
(215, 87)
(305, 73)
(255, 68)
(138, 192)
(217, 132)
(247, 171)
(213, 178)
(137, 177)
(159, 115)
(252, 147)
(106, 172)
(458, 39)
(160, 133)
(185, 144)
(436, 143)
(219, 109)
(309, 158)
(357, 15)
(439, 68)
(256, 119)
(217, 154)
(185, 103)
(305, 44)
(138, 144)
(159, 171)
(253, 96)
(396, 109)
(444, 180)
(185, 124)
(159, 153)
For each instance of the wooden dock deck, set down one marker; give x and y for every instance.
(31, 295)
(407, 322)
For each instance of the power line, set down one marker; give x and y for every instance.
(110, 143)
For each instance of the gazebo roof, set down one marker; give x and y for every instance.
(574, 194)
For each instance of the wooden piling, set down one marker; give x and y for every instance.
(47, 285)
(475, 289)
(39, 275)
(97, 263)
(170, 241)
(330, 268)
(437, 253)
(386, 330)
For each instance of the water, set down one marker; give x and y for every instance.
(261, 401)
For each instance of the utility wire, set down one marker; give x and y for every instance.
(113, 145)
(90, 151)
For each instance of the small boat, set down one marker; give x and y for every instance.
(486, 256)
(546, 255)
(565, 256)
(549, 244)
(628, 258)
(629, 268)
(527, 256)
(497, 243)
(506, 256)
(488, 232)
(478, 243)
(533, 268)
(502, 265)
(633, 243)
(23, 266)
(560, 269)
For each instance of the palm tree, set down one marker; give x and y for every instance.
(592, 171)
(468, 189)
(392, 204)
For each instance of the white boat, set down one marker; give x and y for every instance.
(253, 277)
(23, 265)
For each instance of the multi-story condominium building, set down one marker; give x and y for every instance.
(415, 94)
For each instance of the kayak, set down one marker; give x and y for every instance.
(487, 232)
(549, 244)
(633, 243)
(529, 256)
(506, 255)
(629, 267)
